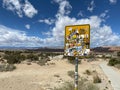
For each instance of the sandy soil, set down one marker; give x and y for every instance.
(36, 77)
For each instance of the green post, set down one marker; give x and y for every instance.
(76, 73)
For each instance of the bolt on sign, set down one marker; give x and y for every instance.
(77, 40)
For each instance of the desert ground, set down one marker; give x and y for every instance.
(53, 74)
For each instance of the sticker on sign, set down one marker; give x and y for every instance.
(77, 40)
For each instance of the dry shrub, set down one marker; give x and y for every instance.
(88, 72)
(71, 74)
(82, 85)
(56, 75)
(96, 79)
(7, 67)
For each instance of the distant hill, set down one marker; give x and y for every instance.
(40, 49)
(106, 49)
(61, 49)
(46, 49)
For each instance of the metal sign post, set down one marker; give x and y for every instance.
(77, 43)
(76, 73)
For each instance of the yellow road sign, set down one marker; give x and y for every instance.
(77, 40)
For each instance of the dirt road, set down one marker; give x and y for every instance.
(112, 75)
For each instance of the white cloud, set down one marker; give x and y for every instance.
(46, 33)
(47, 21)
(80, 13)
(17, 38)
(64, 7)
(104, 14)
(27, 26)
(13, 5)
(113, 1)
(100, 34)
(91, 6)
(29, 10)
(20, 8)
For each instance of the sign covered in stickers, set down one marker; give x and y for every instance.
(77, 40)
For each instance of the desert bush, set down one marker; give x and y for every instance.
(13, 57)
(12, 52)
(44, 55)
(118, 53)
(7, 67)
(88, 72)
(22, 57)
(43, 61)
(82, 85)
(56, 75)
(32, 57)
(109, 81)
(66, 86)
(114, 61)
(96, 79)
(72, 74)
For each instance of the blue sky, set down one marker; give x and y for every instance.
(36, 23)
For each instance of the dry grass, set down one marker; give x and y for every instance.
(88, 72)
(82, 85)
(96, 79)
(7, 67)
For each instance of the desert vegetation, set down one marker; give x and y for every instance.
(9, 58)
(114, 61)
(43, 61)
(7, 67)
(118, 54)
(71, 59)
(72, 74)
(13, 57)
(83, 84)
(88, 72)
(96, 79)
(16, 57)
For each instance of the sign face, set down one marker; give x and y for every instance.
(77, 40)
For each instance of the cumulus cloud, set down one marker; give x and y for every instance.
(14, 6)
(64, 7)
(100, 34)
(17, 38)
(113, 1)
(20, 8)
(27, 26)
(47, 21)
(91, 6)
(29, 10)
